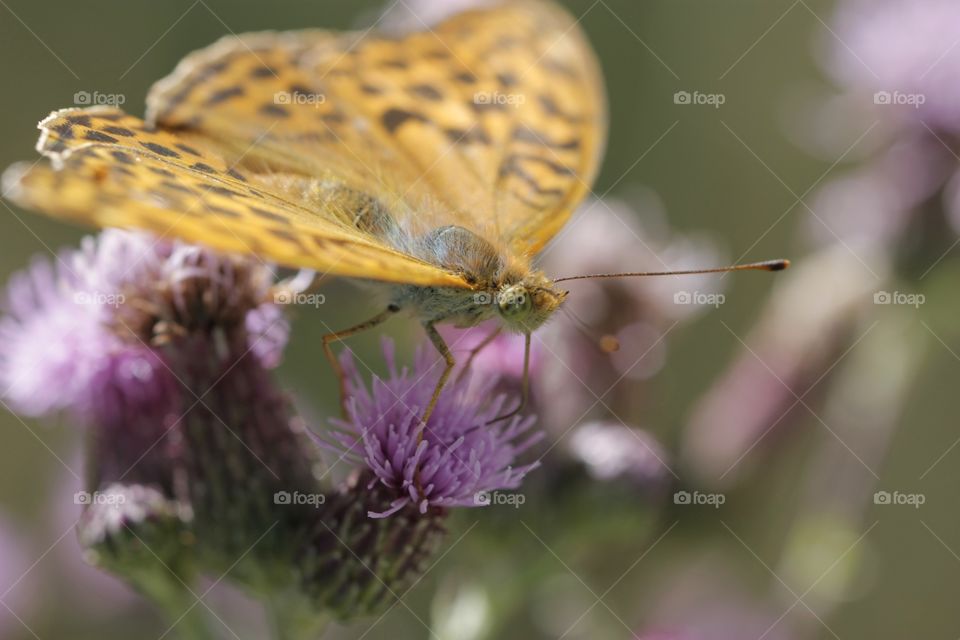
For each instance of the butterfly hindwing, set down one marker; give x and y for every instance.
(493, 120)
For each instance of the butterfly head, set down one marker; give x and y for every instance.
(525, 305)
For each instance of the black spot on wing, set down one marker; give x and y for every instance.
(223, 95)
(223, 191)
(262, 71)
(482, 106)
(395, 64)
(555, 167)
(197, 79)
(269, 215)
(274, 110)
(474, 134)
(233, 173)
(299, 89)
(97, 136)
(160, 149)
(512, 167)
(121, 156)
(287, 236)
(82, 120)
(552, 108)
(188, 149)
(205, 168)
(223, 211)
(119, 131)
(526, 133)
(395, 118)
(64, 130)
(426, 91)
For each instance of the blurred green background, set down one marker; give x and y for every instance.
(905, 577)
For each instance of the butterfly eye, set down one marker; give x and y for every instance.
(513, 301)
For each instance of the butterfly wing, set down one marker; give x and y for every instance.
(109, 169)
(493, 120)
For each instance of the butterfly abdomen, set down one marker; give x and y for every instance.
(352, 207)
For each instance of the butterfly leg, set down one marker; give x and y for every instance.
(338, 336)
(450, 361)
(524, 385)
(477, 349)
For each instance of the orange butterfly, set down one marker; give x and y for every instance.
(435, 165)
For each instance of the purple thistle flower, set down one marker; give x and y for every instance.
(69, 340)
(460, 456)
(162, 350)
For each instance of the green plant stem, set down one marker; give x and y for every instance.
(185, 616)
(292, 618)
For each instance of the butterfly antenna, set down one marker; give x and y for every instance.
(766, 265)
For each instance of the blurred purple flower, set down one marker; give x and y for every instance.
(460, 456)
(791, 346)
(69, 340)
(614, 235)
(904, 53)
(637, 312)
(612, 450)
(896, 62)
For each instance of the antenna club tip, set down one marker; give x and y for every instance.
(778, 265)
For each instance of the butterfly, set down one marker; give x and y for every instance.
(432, 166)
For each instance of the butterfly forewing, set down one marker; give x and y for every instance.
(337, 151)
(110, 170)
